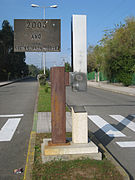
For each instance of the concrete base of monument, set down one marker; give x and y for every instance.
(69, 152)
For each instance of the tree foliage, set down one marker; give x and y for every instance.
(12, 65)
(47, 72)
(33, 70)
(94, 58)
(116, 53)
(67, 67)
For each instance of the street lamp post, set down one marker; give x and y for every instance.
(37, 6)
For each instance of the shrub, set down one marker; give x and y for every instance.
(125, 78)
(42, 79)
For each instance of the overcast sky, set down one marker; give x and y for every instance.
(101, 15)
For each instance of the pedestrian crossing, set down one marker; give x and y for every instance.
(126, 144)
(111, 131)
(106, 127)
(124, 121)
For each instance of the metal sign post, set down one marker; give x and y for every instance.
(58, 105)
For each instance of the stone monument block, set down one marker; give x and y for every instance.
(79, 125)
(79, 43)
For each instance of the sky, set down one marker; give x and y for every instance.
(101, 15)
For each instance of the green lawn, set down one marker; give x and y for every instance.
(44, 99)
(85, 169)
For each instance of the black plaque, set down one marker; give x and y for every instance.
(37, 35)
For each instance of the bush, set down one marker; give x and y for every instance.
(42, 79)
(125, 78)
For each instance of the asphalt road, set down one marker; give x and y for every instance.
(100, 104)
(17, 103)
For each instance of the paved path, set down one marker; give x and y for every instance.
(44, 122)
(113, 87)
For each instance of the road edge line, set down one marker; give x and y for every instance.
(30, 157)
(31, 151)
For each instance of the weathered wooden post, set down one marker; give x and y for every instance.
(58, 105)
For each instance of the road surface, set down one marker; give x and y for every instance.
(112, 119)
(17, 102)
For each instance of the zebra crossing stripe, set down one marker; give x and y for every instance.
(8, 130)
(106, 127)
(126, 144)
(124, 121)
(11, 115)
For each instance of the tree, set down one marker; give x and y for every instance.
(33, 70)
(94, 58)
(12, 65)
(47, 72)
(67, 67)
(6, 45)
(119, 52)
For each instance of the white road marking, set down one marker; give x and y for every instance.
(12, 115)
(7, 131)
(106, 127)
(124, 121)
(126, 144)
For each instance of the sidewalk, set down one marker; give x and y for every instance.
(44, 122)
(4, 83)
(113, 87)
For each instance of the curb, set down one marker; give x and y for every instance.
(31, 146)
(109, 156)
(11, 82)
(112, 90)
(30, 157)
(7, 83)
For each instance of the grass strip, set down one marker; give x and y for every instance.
(44, 99)
(73, 170)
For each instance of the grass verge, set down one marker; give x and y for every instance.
(71, 170)
(44, 99)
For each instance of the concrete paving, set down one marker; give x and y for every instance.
(44, 122)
